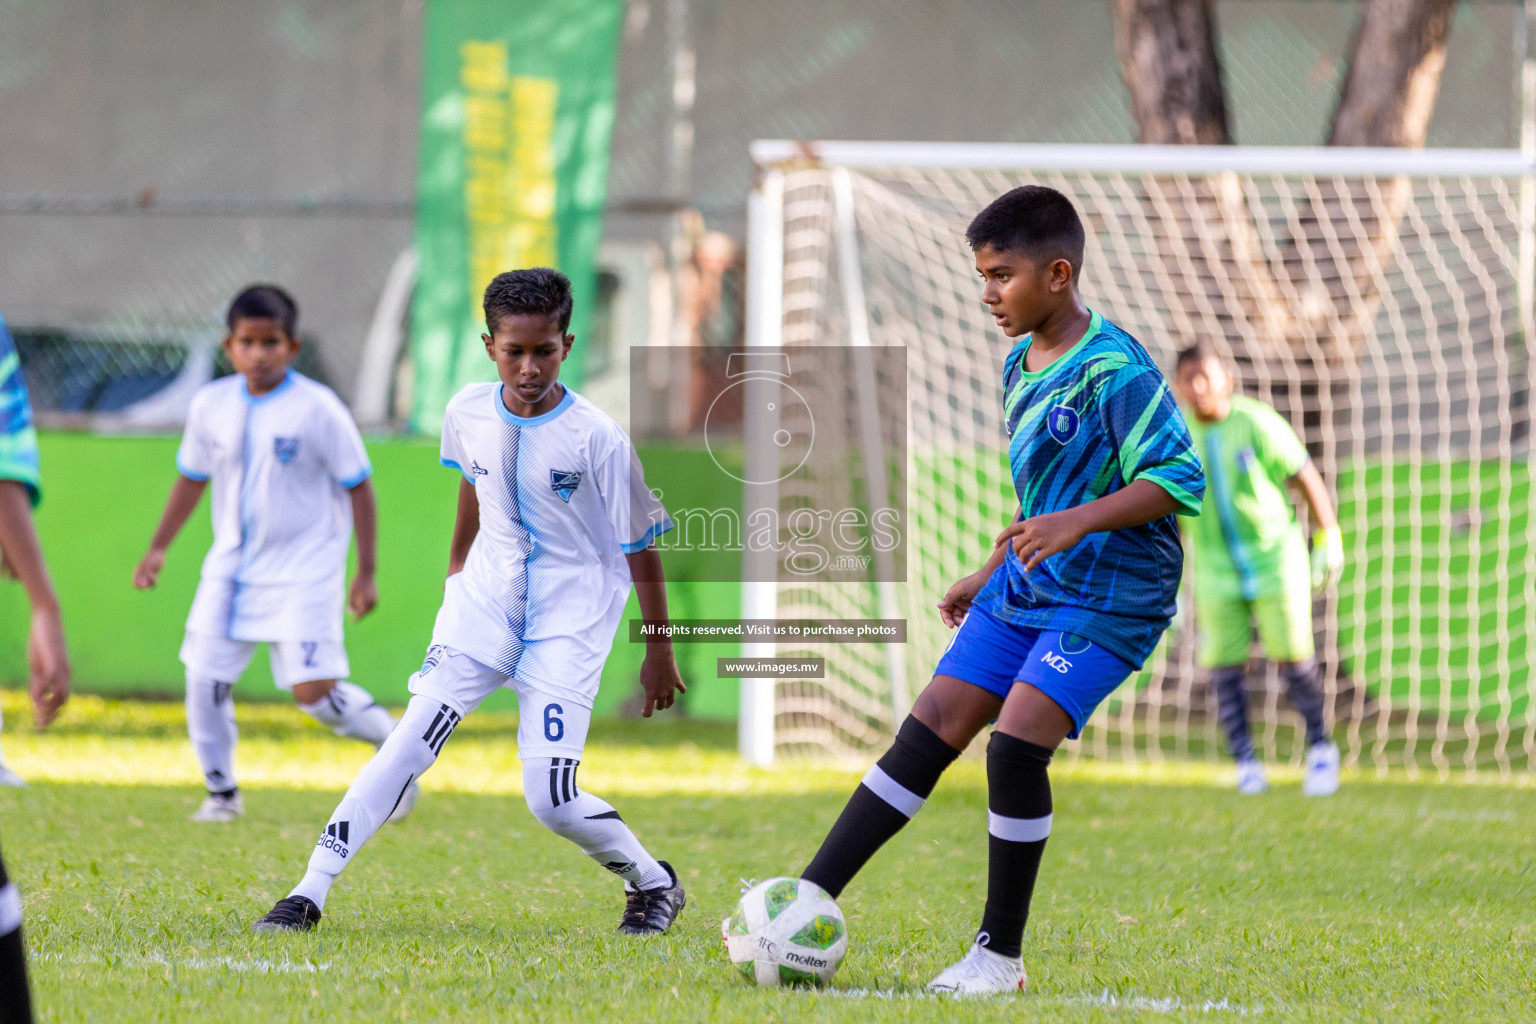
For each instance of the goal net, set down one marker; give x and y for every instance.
(1381, 300)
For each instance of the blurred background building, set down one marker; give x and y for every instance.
(157, 154)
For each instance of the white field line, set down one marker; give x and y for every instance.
(207, 963)
(1104, 1000)
(1148, 1004)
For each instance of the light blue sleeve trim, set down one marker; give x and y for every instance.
(190, 474)
(347, 485)
(454, 465)
(656, 530)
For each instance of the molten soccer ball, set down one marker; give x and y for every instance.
(786, 931)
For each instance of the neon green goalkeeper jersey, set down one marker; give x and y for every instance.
(1246, 541)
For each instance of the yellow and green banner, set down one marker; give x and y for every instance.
(517, 111)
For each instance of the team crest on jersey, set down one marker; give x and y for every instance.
(285, 448)
(1062, 423)
(565, 484)
(435, 655)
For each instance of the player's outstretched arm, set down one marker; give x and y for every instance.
(363, 596)
(1327, 539)
(466, 527)
(1036, 539)
(957, 600)
(47, 660)
(659, 677)
(185, 494)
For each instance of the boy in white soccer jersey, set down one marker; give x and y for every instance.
(290, 480)
(554, 521)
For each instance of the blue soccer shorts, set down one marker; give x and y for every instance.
(1072, 670)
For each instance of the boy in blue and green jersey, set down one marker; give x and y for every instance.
(20, 492)
(1077, 591)
(1250, 561)
(47, 660)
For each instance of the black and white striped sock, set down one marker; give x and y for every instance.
(211, 726)
(349, 710)
(549, 787)
(406, 755)
(1018, 824)
(891, 793)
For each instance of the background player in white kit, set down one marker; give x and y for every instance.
(290, 479)
(554, 521)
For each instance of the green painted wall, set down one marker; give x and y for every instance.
(103, 496)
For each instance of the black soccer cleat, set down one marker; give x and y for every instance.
(652, 911)
(292, 914)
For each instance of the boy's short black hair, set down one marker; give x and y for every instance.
(539, 291)
(1199, 352)
(264, 302)
(1034, 221)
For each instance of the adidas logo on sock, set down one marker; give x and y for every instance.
(620, 867)
(335, 837)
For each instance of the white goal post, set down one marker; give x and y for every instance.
(1381, 299)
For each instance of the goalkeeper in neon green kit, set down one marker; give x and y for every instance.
(1251, 563)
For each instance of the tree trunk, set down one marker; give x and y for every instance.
(1304, 296)
(1395, 60)
(1168, 60)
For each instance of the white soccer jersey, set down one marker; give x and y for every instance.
(562, 500)
(281, 465)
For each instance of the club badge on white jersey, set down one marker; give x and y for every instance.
(562, 499)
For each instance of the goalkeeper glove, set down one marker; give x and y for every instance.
(1327, 557)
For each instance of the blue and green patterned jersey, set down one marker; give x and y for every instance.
(18, 438)
(1097, 419)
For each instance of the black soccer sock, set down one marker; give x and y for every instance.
(15, 998)
(1018, 824)
(1303, 684)
(890, 794)
(1232, 707)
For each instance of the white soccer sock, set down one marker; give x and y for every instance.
(211, 725)
(549, 786)
(349, 710)
(408, 752)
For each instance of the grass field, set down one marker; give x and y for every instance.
(1163, 896)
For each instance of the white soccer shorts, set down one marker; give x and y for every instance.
(293, 661)
(548, 724)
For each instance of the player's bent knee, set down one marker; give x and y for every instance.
(549, 784)
(955, 710)
(549, 789)
(312, 691)
(423, 730)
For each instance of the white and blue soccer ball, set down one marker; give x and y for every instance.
(786, 931)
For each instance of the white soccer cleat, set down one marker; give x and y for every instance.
(10, 778)
(220, 808)
(1251, 778)
(1322, 778)
(982, 973)
(407, 801)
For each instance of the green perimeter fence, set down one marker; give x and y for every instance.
(102, 497)
(1433, 610)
